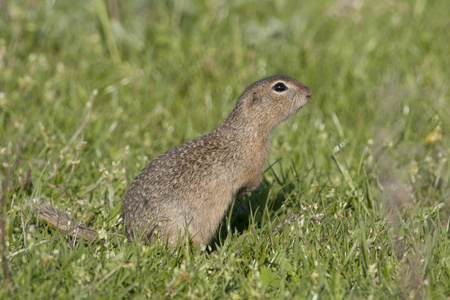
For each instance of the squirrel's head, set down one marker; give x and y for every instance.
(272, 100)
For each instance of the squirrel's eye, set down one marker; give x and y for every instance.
(279, 87)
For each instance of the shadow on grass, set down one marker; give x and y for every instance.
(252, 209)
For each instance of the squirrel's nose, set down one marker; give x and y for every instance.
(308, 92)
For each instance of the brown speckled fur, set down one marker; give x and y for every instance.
(193, 184)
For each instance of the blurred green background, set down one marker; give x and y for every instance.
(91, 91)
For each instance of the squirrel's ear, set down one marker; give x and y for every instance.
(256, 99)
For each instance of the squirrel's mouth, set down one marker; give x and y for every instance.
(299, 109)
(296, 110)
(303, 103)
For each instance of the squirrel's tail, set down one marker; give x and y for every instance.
(61, 221)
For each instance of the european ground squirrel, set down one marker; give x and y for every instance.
(192, 185)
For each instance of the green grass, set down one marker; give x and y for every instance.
(357, 162)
